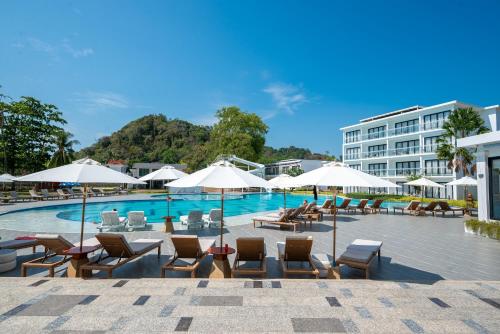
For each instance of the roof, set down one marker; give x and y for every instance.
(483, 139)
(392, 113)
(117, 162)
(157, 165)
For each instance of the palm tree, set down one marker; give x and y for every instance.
(64, 153)
(461, 123)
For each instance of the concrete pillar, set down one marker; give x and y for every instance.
(483, 191)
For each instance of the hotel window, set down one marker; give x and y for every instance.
(356, 167)
(407, 147)
(352, 136)
(378, 132)
(435, 121)
(406, 127)
(377, 169)
(352, 153)
(407, 168)
(437, 167)
(143, 171)
(430, 144)
(377, 151)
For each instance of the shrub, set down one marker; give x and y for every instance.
(487, 229)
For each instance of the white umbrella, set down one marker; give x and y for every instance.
(423, 182)
(337, 174)
(284, 181)
(8, 176)
(4, 179)
(221, 175)
(85, 172)
(464, 181)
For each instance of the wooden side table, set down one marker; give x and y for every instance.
(79, 258)
(220, 265)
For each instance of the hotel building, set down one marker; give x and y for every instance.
(401, 143)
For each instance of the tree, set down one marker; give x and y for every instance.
(462, 122)
(295, 171)
(238, 133)
(64, 153)
(29, 134)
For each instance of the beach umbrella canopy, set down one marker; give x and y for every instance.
(220, 175)
(338, 174)
(464, 181)
(8, 176)
(284, 181)
(87, 161)
(4, 179)
(165, 173)
(423, 182)
(86, 172)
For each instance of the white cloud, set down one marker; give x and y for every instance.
(76, 53)
(96, 101)
(54, 49)
(286, 97)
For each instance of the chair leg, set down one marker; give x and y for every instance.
(162, 272)
(51, 272)
(367, 273)
(24, 271)
(110, 273)
(159, 251)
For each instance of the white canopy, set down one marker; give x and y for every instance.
(5, 180)
(423, 182)
(85, 172)
(221, 175)
(284, 181)
(163, 174)
(465, 181)
(87, 161)
(8, 177)
(337, 174)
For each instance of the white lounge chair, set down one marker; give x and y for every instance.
(111, 222)
(36, 196)
(193, 220)
(136, 220)
(47, 195)
(213, 218)
(360, 253)
(62, 194)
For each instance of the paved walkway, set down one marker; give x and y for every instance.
(35, 305)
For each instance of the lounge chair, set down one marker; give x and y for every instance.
(62, 194)
(445, 207)
(55, 247)
(361, 206)
(110, 222)
(250, 249)
(310, 213)
(189, 252)
(430, 207)
(72, 193)
(136, 221)
(91, 193)
(343, 206)
(283, 220)
(360, 253)
(5, 198)
(34, 195)
(47, 195)
(297, 249)
(193, 220)
(19, 244)
(117, 247)
(411, 207)
(213, 218)
(16, 197)
(376, 206)
(326, 205)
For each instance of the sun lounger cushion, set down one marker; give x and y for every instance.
(322, 263)
(205, 244)
(281, 247)
(140, 245)
(267, 218)
(16, 244)
(356, 255)
(365, 245)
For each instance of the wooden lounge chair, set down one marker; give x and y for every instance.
(297, 249)
(213, 218)
(111, 222)
(19, 244)
(54, 256)
(411, 207)
(19, 198)
(250, 249)
(343, 206)
(62, 194)
(360, 253)
(136, 221)
(117, 247)
(445, 207)
(326, 206)
(376, 206)
(361, 206)
(189, 252)
(34, 195)
(283, 220)
(310, 214)
(430, 207)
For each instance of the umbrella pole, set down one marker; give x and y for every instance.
(284, 198)
(84, 198)
(221, 217)
(333, 271)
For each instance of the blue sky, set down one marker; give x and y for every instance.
(307, 67)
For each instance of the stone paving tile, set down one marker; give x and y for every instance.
(318, 325)
(52, 305)
(333, 301)
(58, 322)
(87, 300)
(413, 326)
(183, 324)
(120, 283)
(141, 300)
(221, 301)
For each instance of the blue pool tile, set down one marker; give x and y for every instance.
(120, 283)
(322, 285)
(167, 310)
(40, 282)
(404, 285)
(276, 284)
(492, 302)
(183, 324)
(257, 284)
(350, 326)
(413, 326)
(16, 310)
(179, 291)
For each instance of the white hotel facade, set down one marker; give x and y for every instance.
(397, 144)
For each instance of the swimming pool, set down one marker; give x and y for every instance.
(65, 217)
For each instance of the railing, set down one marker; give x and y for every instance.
(396, 132)
(398, 151)
(430, 171)
(352, 156)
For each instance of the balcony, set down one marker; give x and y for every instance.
(398, 152)
(404, 172)
(396, 132)
(352, 156)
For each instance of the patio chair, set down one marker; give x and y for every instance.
(117, 247)
(34, 195)
(250, 249)
(62, 194)
(310, 213)
(445, 207)
(47, 195)
(411, 207)
(189, 252)
(193, 220)
(283, 220)
(16, 197)
(19, 244)
(297, 249)
(55, 247)
(110, 222)
(343, 206)
(5, 198)
(361, 206)
(213, 218)
(359, 254)
(376, 206)
(325, 206)
(430, 207)
(136, 221)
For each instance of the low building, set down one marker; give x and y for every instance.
(286, 166)
(140, 169)
(488, 172)
(118, 165)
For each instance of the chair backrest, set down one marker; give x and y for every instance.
(13, 194)
(310, 206)
(362, 203)
(136, 218)
(187, 246)
(109, 218)
(250, 248)
(298, 248)
(413, 205)
(33, 193)
(285, 215)
(54, 242)
(344, 203)
(195, 216)
(45, 192)
(70, 191)
(61, 192)
(377, 203)
(297, 212)
(431, 206)
(444, 205)
(215, 215)
(115, 244)
(326, 204)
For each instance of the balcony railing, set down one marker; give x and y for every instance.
(352, 156)
(430, 171)
(397, 152)
(396, 132)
